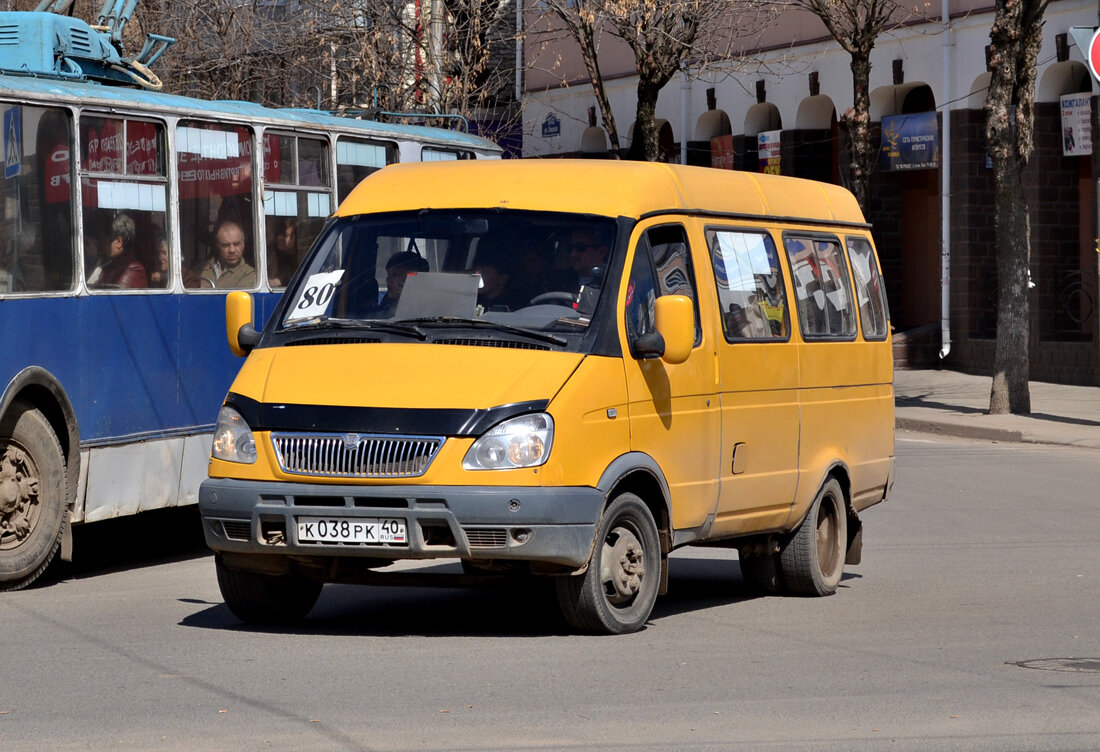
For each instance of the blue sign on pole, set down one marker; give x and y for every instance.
(13, 142)
(910, 142)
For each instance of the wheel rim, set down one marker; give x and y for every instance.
(19, 507)
(622, 566)
(828, 536)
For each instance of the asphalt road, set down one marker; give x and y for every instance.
(971, 625)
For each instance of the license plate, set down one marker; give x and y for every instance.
(369, 530)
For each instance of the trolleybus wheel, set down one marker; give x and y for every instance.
(33, 510)
(257, 598)
(813, 559)
(616, 593)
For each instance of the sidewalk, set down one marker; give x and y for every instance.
(955, 404)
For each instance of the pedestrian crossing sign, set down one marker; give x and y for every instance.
(13, 142)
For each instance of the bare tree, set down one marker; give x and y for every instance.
(666, 38)
(856, 25)
(1015, 41)
(437, 57)
(584, 21)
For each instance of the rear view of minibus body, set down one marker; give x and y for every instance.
(560, 369)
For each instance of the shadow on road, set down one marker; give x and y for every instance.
(156, 537)
(511, 607)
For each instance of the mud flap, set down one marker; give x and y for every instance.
(66, 552)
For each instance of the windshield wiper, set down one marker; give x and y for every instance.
(409, 330)
(454, 321)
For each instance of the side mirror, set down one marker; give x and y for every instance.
(239, 329)
(674, 318)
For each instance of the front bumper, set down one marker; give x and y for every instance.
(551, 525)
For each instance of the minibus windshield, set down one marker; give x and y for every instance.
(422, 275)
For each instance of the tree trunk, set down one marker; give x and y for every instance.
(1011, 363)
(1015, 41)
(857, 124)
(591, 63)
(645, 126)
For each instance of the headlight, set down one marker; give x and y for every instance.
(233, 440)
(519, 442)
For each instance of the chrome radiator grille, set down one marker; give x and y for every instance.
(355, 456)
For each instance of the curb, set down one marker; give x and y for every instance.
(962, 431)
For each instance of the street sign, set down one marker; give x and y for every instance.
(13, 142)
(1094, 55)
(1085, 37)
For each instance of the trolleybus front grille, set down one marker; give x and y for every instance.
(355, 456)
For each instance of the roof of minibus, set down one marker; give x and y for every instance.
(45, 90)
(609, 188)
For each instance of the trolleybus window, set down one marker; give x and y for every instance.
(428, 154)
(297, 200)
(215, 191)
(125, 202)
(36, 238)
(751, 294)
(356, 159)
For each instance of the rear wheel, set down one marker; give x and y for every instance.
(258, 598)
(616, 593)
(813, 559)
(33, 508)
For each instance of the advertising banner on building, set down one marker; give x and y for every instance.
(768, 144)
(721, 152)
(1076, 125)
(910, 142)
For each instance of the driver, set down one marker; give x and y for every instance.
(588, 249)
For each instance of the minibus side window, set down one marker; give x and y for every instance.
(641, 292)
(821, 287)
(751, 293)
(873, 312)
(662, 266)
(668, 248)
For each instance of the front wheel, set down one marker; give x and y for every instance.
(616, 593)
(33, 507)
(257, 598)
(813, 559)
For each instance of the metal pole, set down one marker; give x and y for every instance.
(945, 192)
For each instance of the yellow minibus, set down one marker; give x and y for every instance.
(564, 369)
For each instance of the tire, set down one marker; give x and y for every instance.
(761, 573)
(33, 507)
(616, 593)
(812, 561)
(256, 598)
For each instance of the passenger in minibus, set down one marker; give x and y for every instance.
(501, 290)
(400, 266)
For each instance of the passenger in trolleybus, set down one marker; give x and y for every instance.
(118, 267)
(228, 269)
